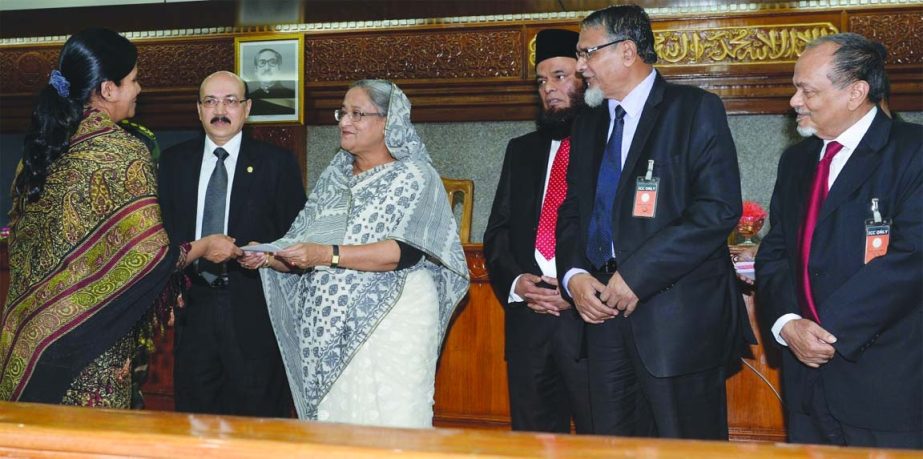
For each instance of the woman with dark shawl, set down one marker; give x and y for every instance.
(360, 331)
(89, 257)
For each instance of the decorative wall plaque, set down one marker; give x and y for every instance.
(763, 44)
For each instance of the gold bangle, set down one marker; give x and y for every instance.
(267, 260)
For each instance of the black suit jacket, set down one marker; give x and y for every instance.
(266, 195)
(509, 244)
(277, 90)
(691, 316)
(875, 380)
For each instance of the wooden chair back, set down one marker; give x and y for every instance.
(461, 190)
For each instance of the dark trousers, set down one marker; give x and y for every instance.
(548, 387)
(627, 400)
(818, 426)
(211, 373)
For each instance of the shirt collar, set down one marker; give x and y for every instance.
(633, 103)
(851, 137)
(232, 146)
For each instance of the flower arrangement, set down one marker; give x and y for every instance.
(751, 220)
(753, 211)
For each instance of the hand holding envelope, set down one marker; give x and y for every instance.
(257, 255)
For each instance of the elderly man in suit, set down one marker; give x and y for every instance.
(268, 95)
(227, 360)
(547, 376)
(653, 192)
(840, 274)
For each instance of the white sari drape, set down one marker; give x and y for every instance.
(323, 317)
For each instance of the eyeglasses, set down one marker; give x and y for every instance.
(229, 102)
(586, 53)
(354, 116)
(264, 62)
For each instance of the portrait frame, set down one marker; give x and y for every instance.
(275, 91)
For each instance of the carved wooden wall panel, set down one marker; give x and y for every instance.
(291, 138)
(25, 70)
(481, 71)
(902, 33)
(176, 64)
(417, 55)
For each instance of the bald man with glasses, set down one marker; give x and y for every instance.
(226, 357)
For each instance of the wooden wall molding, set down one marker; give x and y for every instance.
(478, 69)
(417, 55)
(899, 31)
(177, 64)
(737, 45)
(26, 69)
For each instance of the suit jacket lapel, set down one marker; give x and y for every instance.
(863, 162)
(649, 116)
(646, 124)
(538, 172)
(188, 184)
(247, 164)
(803, 167)
(600, 136)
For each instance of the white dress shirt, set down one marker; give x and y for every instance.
(209, 160)
(850, 139)
(547, 267)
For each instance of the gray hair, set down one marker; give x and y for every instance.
(378, 90)
(858, 59)
(626, 21)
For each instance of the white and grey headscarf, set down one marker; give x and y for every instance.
(322, 317)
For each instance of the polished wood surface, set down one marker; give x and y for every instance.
(30, 430)
(471, 384)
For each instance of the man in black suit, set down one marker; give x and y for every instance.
(227, 360)
(653, 192)
(547, 376)
(840, 274)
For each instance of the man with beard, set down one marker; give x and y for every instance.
(839, 274)
(268, 94)
(653, 192)
(547, 377)
(227, 359)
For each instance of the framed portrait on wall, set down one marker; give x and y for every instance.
(273, 67)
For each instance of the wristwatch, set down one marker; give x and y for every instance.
(335, 259)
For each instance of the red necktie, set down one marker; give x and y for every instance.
(816, 200)
(554, 196)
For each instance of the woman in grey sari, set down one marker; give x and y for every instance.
(371, 271)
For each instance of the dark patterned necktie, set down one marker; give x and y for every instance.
(815, 201)
(599, 237)
(213, 214)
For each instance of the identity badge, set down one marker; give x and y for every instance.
(646, 194)
(877, 234)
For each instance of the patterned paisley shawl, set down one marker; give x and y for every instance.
(88, 259)
(322, 317)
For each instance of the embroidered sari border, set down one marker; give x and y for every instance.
(80, 260)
